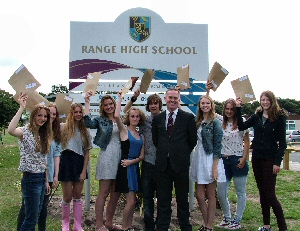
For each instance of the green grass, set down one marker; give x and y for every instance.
(288, 192)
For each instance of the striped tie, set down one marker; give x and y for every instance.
(170, 123)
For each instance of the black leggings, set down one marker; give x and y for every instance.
(266, 184)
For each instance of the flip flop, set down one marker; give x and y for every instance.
(103, 228)
(115, 228)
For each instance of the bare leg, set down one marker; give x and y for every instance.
(67, 189)
(200, 195)
(128, 210)
(211, 206)
(104, 186)
(112, 204)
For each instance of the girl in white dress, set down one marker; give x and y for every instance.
(206, 167)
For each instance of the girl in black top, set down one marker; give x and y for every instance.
(269, 144)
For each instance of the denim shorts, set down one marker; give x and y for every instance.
(231, 169)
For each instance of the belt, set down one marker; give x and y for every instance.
(25, 174)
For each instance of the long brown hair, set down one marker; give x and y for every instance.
(56, 125)
(274, 110)
(225, 118)
(211, 114)
(102, 112)
(70, 128)
(42, 134)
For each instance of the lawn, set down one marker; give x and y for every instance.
(288, 191)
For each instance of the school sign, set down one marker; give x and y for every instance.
(137, 40)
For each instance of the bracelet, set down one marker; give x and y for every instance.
(133, 99)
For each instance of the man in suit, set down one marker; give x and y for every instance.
(174, 137)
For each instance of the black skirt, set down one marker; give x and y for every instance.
(70, 166)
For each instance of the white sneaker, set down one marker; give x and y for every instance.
(264, 229)
(234, 225)
(224, 223)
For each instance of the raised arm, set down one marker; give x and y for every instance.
(121, 126)
(87, 102)
(136, 94)
(12, 127)
(209, 86)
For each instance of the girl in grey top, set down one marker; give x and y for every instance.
(76, 145)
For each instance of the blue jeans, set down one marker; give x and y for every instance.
(148, 189)
(43, 213)
(33, 191)
(240, 177)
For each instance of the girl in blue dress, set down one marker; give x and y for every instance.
(132, 146)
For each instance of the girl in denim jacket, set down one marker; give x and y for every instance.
(108, 139)
(206, 166)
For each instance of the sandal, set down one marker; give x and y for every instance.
(203, 228)
(208, 229)
(103, 228)
(115, 228)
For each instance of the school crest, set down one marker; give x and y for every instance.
(139, 27)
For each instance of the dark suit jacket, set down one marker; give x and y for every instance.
(179, 145)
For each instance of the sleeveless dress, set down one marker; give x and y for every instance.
(109, 159)
(128, 179)
(201, 165)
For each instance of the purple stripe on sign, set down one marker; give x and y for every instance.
(80, 68)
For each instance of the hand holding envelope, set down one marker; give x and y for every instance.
(217, 75)
(23, 81)
(32, 99)
(243, 89)
(21, 99)
(63, 104)
(91, 83)
(183, 77)
(129, 85)
(146, 80)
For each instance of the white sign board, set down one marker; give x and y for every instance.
(137, 40)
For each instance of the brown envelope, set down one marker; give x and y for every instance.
(133, 80)
(91, 82)
(33, 99)
(243, 89)
(146, 80)
(63, 104)
(129, 85)
(23, 81)
(183, 77)
(217, 75)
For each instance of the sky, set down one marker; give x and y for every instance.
(255, 38)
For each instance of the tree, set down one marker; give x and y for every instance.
(59, 88)
(291, 105)
(219, 107)
(8, 108)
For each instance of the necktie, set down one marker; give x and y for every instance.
(170, 123)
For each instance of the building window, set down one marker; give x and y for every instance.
(290, 125)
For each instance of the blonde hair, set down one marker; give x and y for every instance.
(211, 114)
(101, 106)
(69, 128)
(141, 113)
(43, 134)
